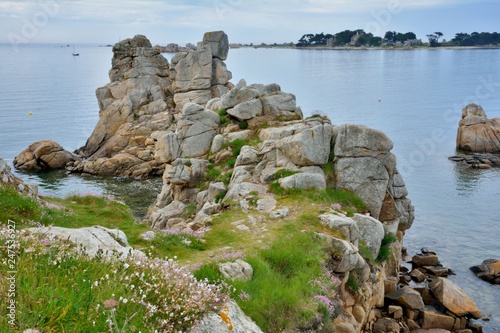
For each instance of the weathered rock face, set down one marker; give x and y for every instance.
(134, 108)
(8, 178)
(199, 75)
(476, 132)
(365, 165)
(44, 155)
(93, 240)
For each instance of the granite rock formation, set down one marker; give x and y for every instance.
(477, 133)
(44, 155)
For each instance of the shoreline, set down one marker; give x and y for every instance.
(392, 48)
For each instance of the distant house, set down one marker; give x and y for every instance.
(413, 42)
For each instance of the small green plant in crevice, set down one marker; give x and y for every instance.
(235, 145)
(226, 177)
(190, 211)
(224, 117)
(352, 282)
(284, 173)
(365, 252)
(220, 196)
(385, 247)
(212, 174)
(329, 170)
(231, 162)
(243, 124)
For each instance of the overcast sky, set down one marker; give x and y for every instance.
(245, 21)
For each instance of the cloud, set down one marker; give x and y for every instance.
(186, 20)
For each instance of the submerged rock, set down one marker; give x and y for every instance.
(489, 271)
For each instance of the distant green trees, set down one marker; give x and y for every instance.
(346, 37)
(434, 39)
(393, 36)
(339, 39)
(362, 38)
(313, 39)
(476, 39)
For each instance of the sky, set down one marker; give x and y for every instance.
(245, 21)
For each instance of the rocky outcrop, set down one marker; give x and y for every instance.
(142, 120)
(44, 155)
(476, 132)
(134, 109)
(364, 164)
(488, 271)
(9, 179)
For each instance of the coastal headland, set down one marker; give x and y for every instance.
(250, 177)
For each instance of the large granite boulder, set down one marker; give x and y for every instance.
(92, 240)
(201, 74)
(192, 70)
(453, 298)
(196, 130)
(476, 132)
(218, 43)
(231, 320)
(44, 155)
(364, 164)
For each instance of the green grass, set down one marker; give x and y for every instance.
(385, 247)
(58, 290)
(349, 201)
(86, 211)
(280, 294)
(352, 282)
(224, 117)
(235, 145)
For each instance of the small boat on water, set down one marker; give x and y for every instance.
(74, 53)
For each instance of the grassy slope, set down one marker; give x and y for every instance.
(284, 257)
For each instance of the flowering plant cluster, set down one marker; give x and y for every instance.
(173, 297)
(139, 293)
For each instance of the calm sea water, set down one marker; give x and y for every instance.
(415, 97)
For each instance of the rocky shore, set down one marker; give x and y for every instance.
(215, 142)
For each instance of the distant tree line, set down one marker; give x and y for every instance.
(361, 38)
(346, 37)
(476, 39)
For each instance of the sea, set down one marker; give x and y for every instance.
(414, 96)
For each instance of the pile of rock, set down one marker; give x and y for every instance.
(424, 299)
(478, 160)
